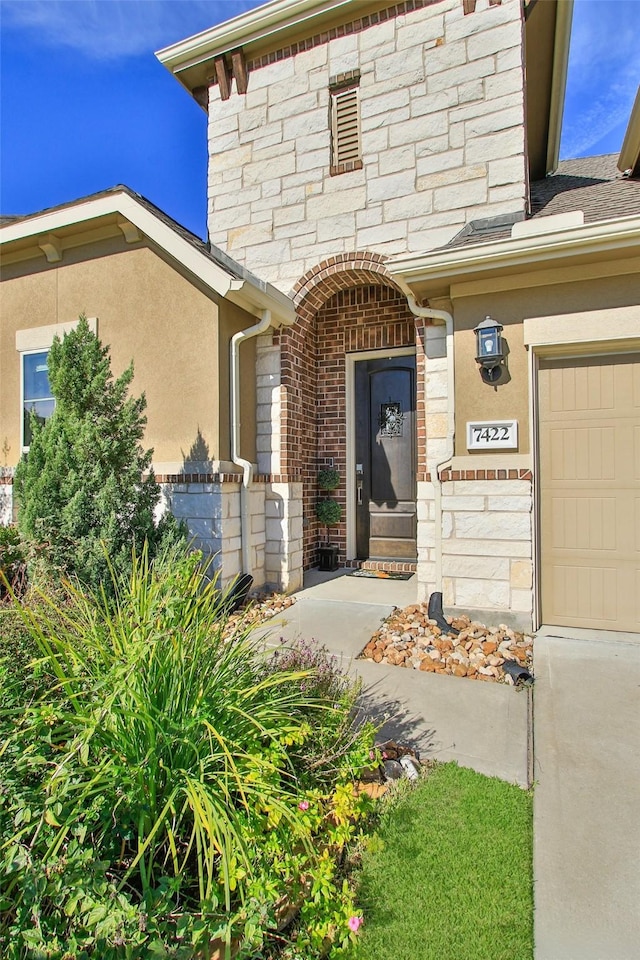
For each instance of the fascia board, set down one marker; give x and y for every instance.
(630, 150)
(502, 254)
(254, 298)
(161, 234)
(564, 16)
(247, 293)
(251, 26)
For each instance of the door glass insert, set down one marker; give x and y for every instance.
(391, 419)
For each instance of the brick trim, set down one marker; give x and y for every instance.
(220, 478)
(347, 167)
(497, 474)
(342, 272)
(343, 30)
(393, 566)
(348, 79)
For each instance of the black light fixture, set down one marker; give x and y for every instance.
(489, 349)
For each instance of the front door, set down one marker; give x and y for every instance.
(386, 458)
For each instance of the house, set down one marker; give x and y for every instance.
(390, 170)
(155, 293)
(394, 169)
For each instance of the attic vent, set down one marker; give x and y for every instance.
(346, 152)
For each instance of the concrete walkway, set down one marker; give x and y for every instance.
(587, 795)
(481, 725)
(586, 738)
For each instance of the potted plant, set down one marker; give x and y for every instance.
(329, 513)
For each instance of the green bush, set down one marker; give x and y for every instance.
(329, 512)
(12, 562)
(155, 799)
(336, 747)
(85, 491)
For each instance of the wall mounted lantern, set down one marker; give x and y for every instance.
(490, 350)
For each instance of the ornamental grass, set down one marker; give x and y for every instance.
(156, 798)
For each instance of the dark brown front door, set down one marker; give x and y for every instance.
(385, 458)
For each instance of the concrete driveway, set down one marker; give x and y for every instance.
(587, 795)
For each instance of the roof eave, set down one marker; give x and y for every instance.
(255, 25)
(249, 292)
(629, 158)
(453, 265)
(564, 17)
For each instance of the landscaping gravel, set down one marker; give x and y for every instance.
(408, 638)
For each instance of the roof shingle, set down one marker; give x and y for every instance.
(593, 185)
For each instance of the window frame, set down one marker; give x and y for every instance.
(38, 340)
(24, 400)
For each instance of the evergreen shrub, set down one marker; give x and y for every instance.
(85, 490)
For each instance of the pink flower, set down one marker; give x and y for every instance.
(303, 805)
(354, 923)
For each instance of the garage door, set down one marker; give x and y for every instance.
(589, 417)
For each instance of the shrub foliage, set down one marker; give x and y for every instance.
(156, 798)
(85, 490)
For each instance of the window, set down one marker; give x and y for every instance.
(36, 392)
(346, 152)
(33, 347)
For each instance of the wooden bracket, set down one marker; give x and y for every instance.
(223, 76)
(468, 6)
(129, 231)
(201, 96)
(239, 67)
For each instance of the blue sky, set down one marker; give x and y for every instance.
(86, 105)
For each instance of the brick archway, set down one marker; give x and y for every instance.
(348, 304)
(338, 273)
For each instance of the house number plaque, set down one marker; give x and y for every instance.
(492, 435)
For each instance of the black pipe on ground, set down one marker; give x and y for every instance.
(435, 613)
(519, 674)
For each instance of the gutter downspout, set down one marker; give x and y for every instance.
(441, 316)
(247, 468)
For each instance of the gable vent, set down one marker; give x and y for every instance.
(346, 131)
(346, 148)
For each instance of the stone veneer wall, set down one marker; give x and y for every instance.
(209, 503)
(442, 119)
(487, 547)
(6, 496)
(210, 506)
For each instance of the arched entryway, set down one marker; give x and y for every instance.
(352, 375)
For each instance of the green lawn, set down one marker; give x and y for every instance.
(449, 874)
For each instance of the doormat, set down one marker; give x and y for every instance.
(380, 574)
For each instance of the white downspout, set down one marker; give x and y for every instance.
(442, 316)
(247, 468)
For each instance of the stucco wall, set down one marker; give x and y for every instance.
(575, 296)
(442, 118)
(177, 336)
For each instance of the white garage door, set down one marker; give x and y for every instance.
(589, 421)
